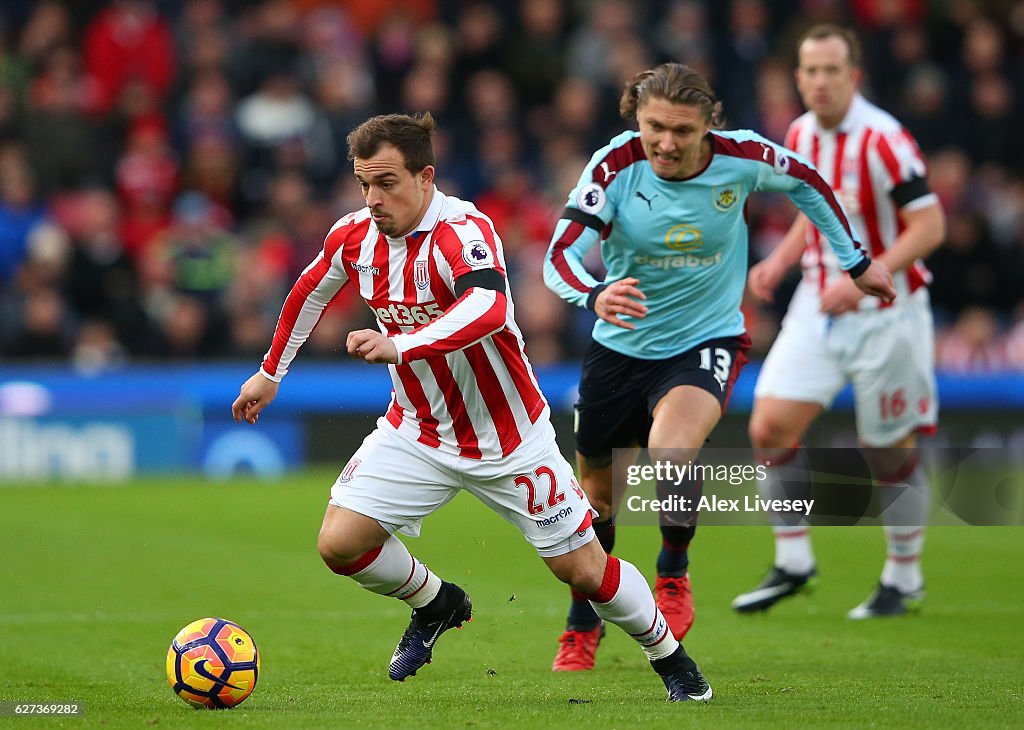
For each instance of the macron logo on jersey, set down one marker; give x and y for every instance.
(366, 269)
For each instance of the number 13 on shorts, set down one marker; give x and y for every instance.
(721, 366)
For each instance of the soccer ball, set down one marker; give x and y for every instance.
(213, 663)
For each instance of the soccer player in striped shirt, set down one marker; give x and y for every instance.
(466, 411)
(833, 334)
(666, 205)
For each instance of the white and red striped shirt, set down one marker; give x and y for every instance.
(865, 159)
(463, 384)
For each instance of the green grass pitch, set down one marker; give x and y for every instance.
(95, 581)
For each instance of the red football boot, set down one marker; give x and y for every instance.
(675, 599)
(576, 649)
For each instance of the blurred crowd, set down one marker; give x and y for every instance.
(168, 168)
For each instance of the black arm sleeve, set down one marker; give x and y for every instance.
(483, 278)
(912, 189)
(578, 216)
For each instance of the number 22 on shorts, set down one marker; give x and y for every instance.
(555, 495)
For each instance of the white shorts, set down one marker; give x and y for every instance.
(398, 482)
(887, 354)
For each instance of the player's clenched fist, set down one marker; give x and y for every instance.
(371, 346)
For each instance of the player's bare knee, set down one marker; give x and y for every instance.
(767, 432)
(335, 552)
(582, 569)
(583, 577)
(587, 577)
(327, 553)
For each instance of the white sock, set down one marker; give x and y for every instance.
(905, 502)
(394, 572)
(787, 476)
(903, 562)
(625, 600)
(793, 551)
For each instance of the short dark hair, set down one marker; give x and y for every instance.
(411, 135)
(675, 83)
(831, 30)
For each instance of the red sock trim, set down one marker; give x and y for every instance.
(657, 615)
(788, 535)
(610, 583)
(904, 558)
(664, 635)
(360, 564)
(908, 537)
(665, 630)
(416, 591)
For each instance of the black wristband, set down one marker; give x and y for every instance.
(860, 267)
(592, 296)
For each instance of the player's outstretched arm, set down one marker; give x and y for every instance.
(877, 281)
(256, 394)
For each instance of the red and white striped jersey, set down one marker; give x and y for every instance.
(876, 169)
(463, 384)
